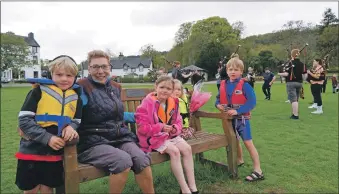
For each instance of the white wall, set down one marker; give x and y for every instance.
(29, 71)
(122, 73)
(7, 75)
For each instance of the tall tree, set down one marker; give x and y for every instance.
(329, 18)
(148, 50)
(183, 33)
(238, 28)
(111, 53)
(14, 52)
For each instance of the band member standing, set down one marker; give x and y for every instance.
(250, 77)
(294, 81)
(177, 73)
(317, 78)
(269, 78)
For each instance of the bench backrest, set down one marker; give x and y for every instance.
(131, 98)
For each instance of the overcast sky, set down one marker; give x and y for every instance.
(75, 28)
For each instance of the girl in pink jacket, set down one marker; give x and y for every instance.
(159, 127)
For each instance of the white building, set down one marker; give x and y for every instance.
(34, 55)
(124, 66)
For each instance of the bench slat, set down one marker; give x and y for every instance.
(205, 141)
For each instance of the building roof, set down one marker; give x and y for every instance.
(30, 40)
(130, 61)
(193, 68)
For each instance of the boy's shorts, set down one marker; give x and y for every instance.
(243, 129)
(32, 173)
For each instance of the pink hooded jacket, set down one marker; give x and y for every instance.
(150, 129)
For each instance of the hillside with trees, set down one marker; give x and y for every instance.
(204, 42)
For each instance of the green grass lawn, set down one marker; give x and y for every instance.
(297, 156)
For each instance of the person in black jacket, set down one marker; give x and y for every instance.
(105, 142)
(294, 79)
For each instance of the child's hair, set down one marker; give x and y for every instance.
(235, 63)
(176, 81)
(97, 54)
(267, 68)
(295, 53)
(319, 61)
(164, 78)
(162, 69)
(234, 55)
(65, 63)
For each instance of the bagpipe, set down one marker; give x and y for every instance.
(324, 66)
(288, 64)
(195, 77)
(222, 64)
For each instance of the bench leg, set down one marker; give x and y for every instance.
(199, 157)
(232, 158)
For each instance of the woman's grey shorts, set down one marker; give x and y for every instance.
(116, 159)
(293, 90)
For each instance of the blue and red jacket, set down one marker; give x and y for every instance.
(238, 92)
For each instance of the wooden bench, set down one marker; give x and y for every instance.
(76, 173)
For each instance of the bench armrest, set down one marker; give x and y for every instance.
(214, 115)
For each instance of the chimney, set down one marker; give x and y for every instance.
(30, 35)
(121, 56)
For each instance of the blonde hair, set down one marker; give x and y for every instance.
(164, 78)
(235, 63)
(64, 63)
(97, 54)
(234, 55)
(176, 81)
(295, 53)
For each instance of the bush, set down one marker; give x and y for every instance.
(20, 81)
(145, 79)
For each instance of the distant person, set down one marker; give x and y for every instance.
(269, 79)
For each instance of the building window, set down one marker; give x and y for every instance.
(34, 50)
(22, 75)
(141, 68)
(35, 59)
(125, 68)
(133, 70)
(36, 74)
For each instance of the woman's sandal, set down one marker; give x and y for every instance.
(255, 177)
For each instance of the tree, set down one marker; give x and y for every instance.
(238, 28)
(183, 33)
(110, 53)
(14, 52)
(149, 51)
(329, 18)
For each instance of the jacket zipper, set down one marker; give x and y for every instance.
(110, 95)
